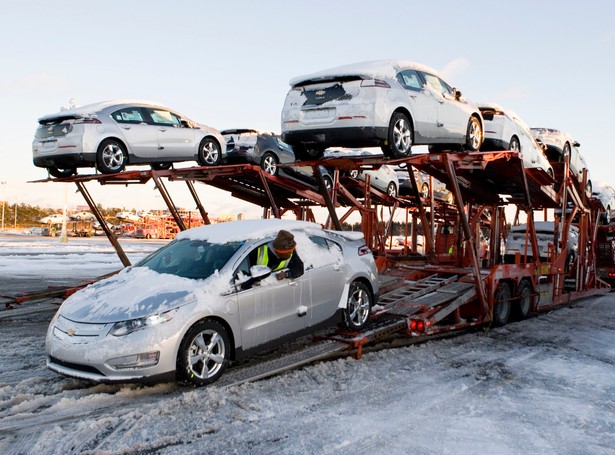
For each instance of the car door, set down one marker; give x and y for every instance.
(452, 114)
(140, 137)
(175, 138)
(327, 279)
(423, 104)
(272, 308)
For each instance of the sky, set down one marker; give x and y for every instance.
(227, 64)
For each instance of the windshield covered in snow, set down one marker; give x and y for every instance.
(196, 259)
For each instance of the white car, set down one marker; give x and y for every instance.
(384, 179)
(517, 242)
(559, 145)
(505, 130)
(201, 300)
(606, 194)
(394, 104)
(440, 192)
(56, 218)
(111, 134)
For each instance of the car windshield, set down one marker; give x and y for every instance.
(195, 259)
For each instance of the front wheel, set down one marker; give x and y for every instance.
(59, 173)
(514, 144)
(392, 190)
(307, 153)
(399, 139)
(209, 152)
(203, 353)
(474, 135)
(160, 166)
(358, 307)
(111, 156)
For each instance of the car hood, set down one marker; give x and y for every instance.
(133, 293)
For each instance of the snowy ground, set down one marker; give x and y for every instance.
(542, 386)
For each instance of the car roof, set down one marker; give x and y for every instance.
(371, 69)
(235, 231)
(88, 110)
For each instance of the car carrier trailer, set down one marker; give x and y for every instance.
(457, 284)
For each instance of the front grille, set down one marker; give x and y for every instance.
(76, 366)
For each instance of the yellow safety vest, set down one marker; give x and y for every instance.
(262, 258)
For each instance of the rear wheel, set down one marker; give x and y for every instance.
(358, 307)
(161, 166)
(209, 152)
(524, 303)
(61, 172)
(203, 353)
(399, 140)
(474, 135)
(425, 190)
(111, 156)
(501, 305)
(269, 163)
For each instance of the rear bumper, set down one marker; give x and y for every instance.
(338, 137)
(65, 160)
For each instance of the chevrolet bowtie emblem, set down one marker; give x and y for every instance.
(71, 332)
(320, 92)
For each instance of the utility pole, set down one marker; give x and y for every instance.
(3, 202)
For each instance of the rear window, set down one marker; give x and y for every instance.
(58, 130)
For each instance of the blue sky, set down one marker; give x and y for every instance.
(227, 64)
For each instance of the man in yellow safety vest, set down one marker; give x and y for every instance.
(280, 256)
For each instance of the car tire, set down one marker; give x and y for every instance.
(449, 198)
(161, 166)
(474, 134)
(209, 152)
(306, 153)
(425, 190)
(514, 144)
(269, 163)
(111, 157)
(392, 190)
(525, 300)
(61, 172)
(358, 306)
(203, 354)
(501, 305)
(399, 138)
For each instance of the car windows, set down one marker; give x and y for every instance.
(410, 79)
(438, 84)
(128, 115)
(163, 117)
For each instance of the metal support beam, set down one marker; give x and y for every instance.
(199, 206)
(325, 194)
(103, 223)
(274, 207)
(167, 199)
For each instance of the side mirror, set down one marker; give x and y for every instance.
(259, 272)
(458, 94)
(576, 144)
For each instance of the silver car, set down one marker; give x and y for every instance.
(606, 194)
(198, 302)
(394, 104)
(111, 134)
(505, 130)
(560, 145)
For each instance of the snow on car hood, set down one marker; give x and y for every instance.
(133, 293)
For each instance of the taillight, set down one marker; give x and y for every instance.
(418, 325)
(90, 120)
(375, 83)
(363, 250)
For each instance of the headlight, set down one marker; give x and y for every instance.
(122, 328)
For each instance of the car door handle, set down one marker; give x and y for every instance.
(337, 267)
(293, 282)
(162, 129)
(126, 127)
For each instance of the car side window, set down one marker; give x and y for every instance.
(438, 84)
(410, 80)
(162, 117)
(128, 115)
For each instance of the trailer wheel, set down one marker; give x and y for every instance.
(524, 305)
(358, 307)
(501, 305)
(203, 353)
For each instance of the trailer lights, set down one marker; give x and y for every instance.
(418, 325)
